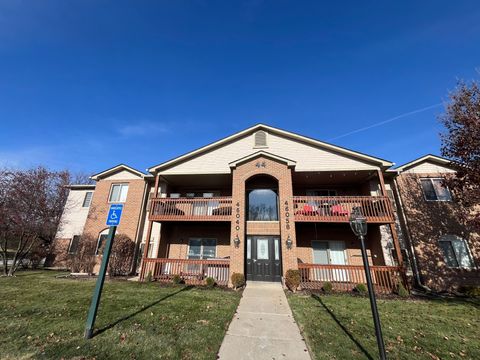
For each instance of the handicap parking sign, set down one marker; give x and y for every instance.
(114, 214)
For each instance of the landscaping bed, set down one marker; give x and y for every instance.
(44, 316)
(340, 326)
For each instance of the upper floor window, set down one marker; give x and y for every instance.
(87, 200)
(263, 205)
(118, 193)
(260, 138)
(434, 189)
(455, 251)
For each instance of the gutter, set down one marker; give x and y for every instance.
(416, 271)
(139, 233)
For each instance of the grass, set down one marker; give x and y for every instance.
(341, 327)
(42, 316)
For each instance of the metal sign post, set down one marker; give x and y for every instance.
(113, 219)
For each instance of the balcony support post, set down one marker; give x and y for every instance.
(149, 230)
(393, 229)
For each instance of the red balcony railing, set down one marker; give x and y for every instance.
(346, 277)
(377, 209)
(191, 209)
(193, 272)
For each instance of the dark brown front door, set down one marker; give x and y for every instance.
(263, 258)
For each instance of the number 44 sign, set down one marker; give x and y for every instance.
(114, 214)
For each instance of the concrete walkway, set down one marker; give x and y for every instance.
(263, 327)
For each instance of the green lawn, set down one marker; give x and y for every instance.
(44, 317)
(341, 327)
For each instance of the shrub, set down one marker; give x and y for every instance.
(327, 287)
(238, 280)
(84, 259)
(470, 290)
(121, 256)
(361, 288)
(176, 279)
(210, 282)
(149, 277)
(292, 279)
(401, 291)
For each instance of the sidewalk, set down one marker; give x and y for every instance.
(263, 327)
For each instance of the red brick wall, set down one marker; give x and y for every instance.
(427, 222)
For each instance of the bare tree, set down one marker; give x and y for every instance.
(31, 205)
(461, 144)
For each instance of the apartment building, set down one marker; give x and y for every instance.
(265, 200)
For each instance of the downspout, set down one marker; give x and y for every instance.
(416, 271)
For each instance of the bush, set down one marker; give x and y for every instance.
(401, 291)
(327, 287)
(84, 259)
(210, 282)
(238, 280)
(121, 256)
(149, 277)
(177, 279)
(361, 288)
(292, 279)
(470, 290)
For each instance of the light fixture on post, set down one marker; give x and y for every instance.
(358, 223)
(236, 241)
(289, 242)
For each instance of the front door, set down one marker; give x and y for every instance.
(263, 258)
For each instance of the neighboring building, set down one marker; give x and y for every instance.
(446, 252)
(259, 202)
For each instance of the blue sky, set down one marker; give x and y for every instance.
(86, 85)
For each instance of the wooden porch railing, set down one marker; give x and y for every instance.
(346, 277)
(193, 272)
(377, 209)
(191, 209)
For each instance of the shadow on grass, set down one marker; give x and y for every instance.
(345, 330)
(116, 322)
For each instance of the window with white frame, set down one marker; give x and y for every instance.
(87, 200)
(72, 248)
(118, 193)
(434, 189)
(102, 239)
(455, 251)
(199, 248)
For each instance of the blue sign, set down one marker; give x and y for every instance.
(114, 214)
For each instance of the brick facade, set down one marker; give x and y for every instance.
(427, 221)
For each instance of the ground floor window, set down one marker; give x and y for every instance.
(102, 239)
(455, 251)
(72, 248)
(199, 248)
(329, 252)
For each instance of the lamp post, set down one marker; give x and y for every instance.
(358, 223)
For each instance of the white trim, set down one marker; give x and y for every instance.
(429, 157)
(289, 162)
(437, 200)
(115, 169)
(201, 246)
(111, 189)
(448, 238)
(271, 129)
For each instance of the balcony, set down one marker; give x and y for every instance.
(377, 209)
(191, 209)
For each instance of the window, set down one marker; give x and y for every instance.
(102, 239)
(202, 248)
(87, 200)
(72, 248)
(262, 205)
(260, 138)
(435, 190)
(455, 251)
(118, 193)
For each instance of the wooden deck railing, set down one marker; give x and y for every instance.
(346, 277)
(193, 272)
(377, 209)
(191, 209)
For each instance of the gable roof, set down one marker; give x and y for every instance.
(273, 130)
(118, 168)
(429, 157)
(262, 153)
